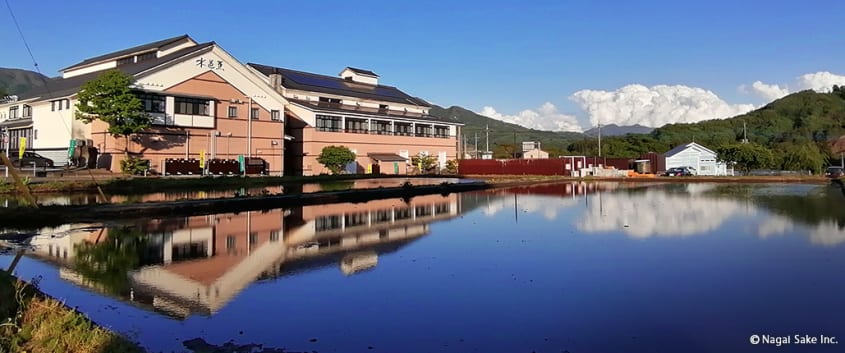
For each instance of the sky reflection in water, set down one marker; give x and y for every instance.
(577, 267)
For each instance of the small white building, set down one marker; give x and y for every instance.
(703, 159)
(535, 154)
(531, 150)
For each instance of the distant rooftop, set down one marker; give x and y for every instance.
(125, 52)
(361, 71)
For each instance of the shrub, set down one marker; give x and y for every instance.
(134, 165)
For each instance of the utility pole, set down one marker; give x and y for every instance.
(486, 138)
(464, 149)
(744, 133)
(599, 139)
(476, 145)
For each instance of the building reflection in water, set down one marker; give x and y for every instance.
(196, 265)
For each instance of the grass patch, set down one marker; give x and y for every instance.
(33, 322)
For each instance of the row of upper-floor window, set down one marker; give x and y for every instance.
(333, 123)
(16, 111)
(155, 103)
(337, 221)
(326, 102)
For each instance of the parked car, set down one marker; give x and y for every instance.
(834, 172)
(29, 158)
(680, 171)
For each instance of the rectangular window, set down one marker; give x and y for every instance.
(191, 106)
(67, 103)
(275, 115)
(380, 127)
(382, 216)
(422, 211)
(442, 208)
(355, 219)
(328, 123)
(254, 114)
(274, 236)
(253, 238)
(125, 61)
(233, 111)
(27, 111)
(403, 129)
(146, 56)
(230, 243)
(402, 213)
(326, 223)
(382, 108)
(153, 103)
(13, 112)
(422, 130)
(358, 126)
(326, 102)
(441, 131)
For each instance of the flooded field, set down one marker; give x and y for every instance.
(577, 267)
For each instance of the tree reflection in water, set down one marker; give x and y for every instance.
(107, 261)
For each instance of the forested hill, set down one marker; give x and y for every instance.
(502, 134)
(17, 81)
(797, 128)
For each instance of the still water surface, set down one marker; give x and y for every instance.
(565, 267)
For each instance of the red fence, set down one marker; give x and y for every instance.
(514, 166)
(552, 166)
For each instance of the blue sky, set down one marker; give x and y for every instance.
(517, 62)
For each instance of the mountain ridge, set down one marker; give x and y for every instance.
(17, 81)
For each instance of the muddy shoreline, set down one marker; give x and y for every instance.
(26, 218)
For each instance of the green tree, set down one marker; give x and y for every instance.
(109, 98)
(425, 162)
(335, 158)
(805, 156)
(746, 156)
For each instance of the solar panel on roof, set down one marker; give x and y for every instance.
(333, 85)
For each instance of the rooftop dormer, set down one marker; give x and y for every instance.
(129, 56)
(359, 75)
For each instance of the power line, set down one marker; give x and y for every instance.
(35, 63)
(20, 32)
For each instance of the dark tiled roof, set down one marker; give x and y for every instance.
(362, 71)
(61, 87)
(337, 86)
(345, 108)
(119, 53)
(387, 157)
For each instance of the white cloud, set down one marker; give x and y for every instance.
(546, 117)
(657, 213)
(654, 106)
(769, 92)
(821, 81)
